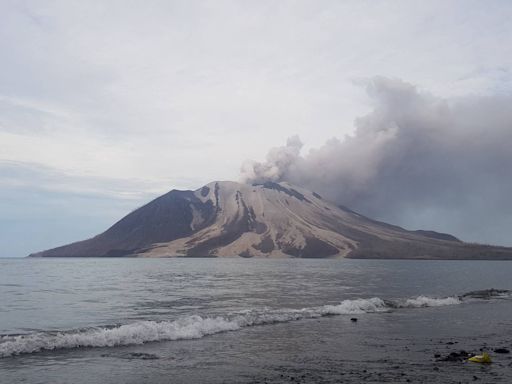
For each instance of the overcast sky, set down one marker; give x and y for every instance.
(106, 104)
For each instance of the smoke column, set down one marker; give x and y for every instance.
(415, 160)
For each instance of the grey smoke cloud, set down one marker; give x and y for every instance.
(280, 162)
(415, 160)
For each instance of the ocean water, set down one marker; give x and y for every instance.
(250, 320)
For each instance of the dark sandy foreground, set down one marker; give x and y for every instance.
(396, 347)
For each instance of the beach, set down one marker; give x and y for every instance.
(254, 321)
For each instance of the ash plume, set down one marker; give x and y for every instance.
(415, 160)
(280, 162)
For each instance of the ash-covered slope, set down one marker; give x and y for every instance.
(266, 220)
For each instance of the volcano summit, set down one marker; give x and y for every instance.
(224, 219)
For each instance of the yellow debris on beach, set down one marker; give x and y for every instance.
(484, 358)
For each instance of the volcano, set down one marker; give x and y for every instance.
(227, 219)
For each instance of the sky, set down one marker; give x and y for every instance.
(104, 105)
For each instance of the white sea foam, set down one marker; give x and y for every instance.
(425, 301)
(349, 307)
(193, 327)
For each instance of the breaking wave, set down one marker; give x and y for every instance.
(425, 301)
(195, 326)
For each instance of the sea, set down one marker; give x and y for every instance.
(238, 320)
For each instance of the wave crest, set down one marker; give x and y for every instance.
(425, 301)
(194, 327)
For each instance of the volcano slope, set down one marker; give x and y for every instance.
(226, 219)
